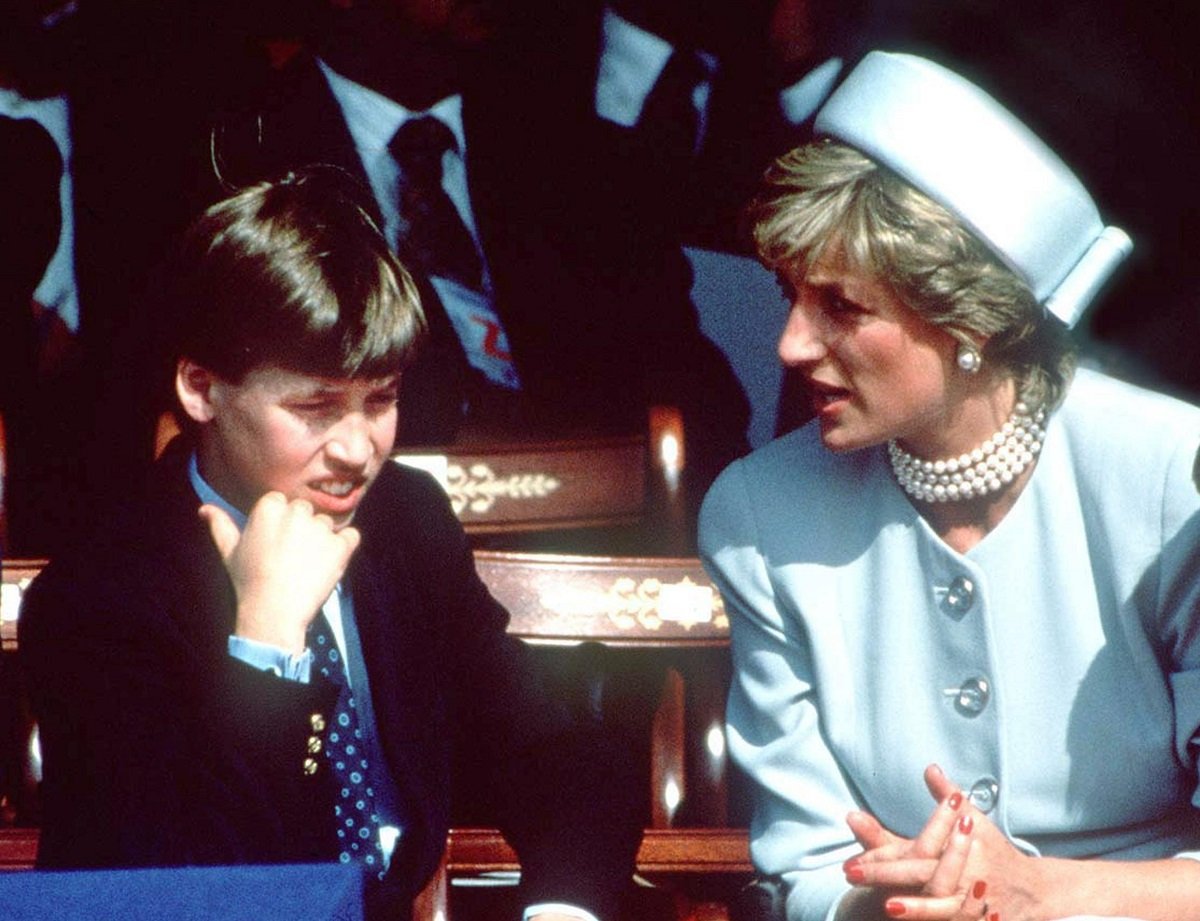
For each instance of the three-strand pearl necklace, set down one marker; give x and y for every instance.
(981, 472)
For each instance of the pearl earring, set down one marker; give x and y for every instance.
(969, 359)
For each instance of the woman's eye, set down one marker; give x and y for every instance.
(840, 306)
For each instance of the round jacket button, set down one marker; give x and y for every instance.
(973, 696)
(984, 793)
(960, 595)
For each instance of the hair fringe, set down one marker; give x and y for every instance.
(828, 194)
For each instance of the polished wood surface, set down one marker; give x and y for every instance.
(20, 766)
(619, 601)
(664, 628)
(15, 576)
(18, 848)
(165, 429)
(662, 851)
(523, 487)
(3, 486)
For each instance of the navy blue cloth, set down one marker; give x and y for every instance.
(315, 892)
(345, 747)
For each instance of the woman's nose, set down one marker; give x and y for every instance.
(801, 342)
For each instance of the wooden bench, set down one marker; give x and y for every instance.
(3, 486)
(18, 768)
(18, 848)
(663, 626)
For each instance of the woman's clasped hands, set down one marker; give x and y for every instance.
(960, 867)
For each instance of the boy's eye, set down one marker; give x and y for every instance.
(381, 402)
(313, 407)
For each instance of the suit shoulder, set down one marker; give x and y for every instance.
(403, 500)
(792, 488)
(796, 465)
(1092, 394)
(1109, 418)
(400, 482)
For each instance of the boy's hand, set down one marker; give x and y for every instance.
(283, 566)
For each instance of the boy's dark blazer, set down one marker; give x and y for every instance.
(161, 749)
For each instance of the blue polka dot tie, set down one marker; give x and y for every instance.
(354, 808)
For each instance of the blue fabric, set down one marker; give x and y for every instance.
(315, 892)
(210, 496)
(850, 650)
(270, 658)
(345, 747)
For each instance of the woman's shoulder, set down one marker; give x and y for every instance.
(1125, 441)
(796, 463)
(1127, 420)
(788, 484)
(1093, 392)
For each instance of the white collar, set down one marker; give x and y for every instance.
(373, 118)
(631, 62)
(51, 112)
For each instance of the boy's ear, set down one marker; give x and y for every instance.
(193, 387)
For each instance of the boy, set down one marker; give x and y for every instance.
(187, 670)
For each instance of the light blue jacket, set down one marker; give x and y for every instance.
(1053, 670)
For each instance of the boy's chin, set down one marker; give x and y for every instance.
(343, 521)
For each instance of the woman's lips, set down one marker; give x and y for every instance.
(825, 396)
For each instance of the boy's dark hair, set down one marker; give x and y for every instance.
(293, 273)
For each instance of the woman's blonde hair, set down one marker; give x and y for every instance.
(827, 194)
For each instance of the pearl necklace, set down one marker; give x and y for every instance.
(985, 470)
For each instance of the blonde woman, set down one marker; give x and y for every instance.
(963, 596)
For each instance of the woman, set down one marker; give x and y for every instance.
(962, 597)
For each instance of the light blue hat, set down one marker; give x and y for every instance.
(963, 149)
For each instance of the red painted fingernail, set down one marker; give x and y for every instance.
(855, 874)
(955, 800)
(893, 908)
(994, 916)
(979, 889)
(965, 824)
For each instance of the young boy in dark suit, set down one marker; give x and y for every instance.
(271, 652)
